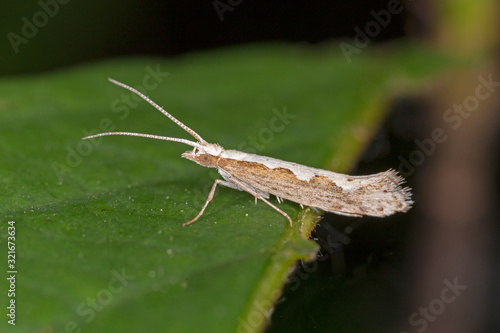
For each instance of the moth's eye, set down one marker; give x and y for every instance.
(205, 159)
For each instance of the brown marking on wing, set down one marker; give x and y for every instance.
(376, 195)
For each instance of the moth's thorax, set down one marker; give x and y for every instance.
(206, 156)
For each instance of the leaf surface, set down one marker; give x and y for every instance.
(99, 239)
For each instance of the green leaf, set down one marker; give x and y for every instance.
(98, 224)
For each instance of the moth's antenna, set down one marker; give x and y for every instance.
(159, 108)
(151, 136)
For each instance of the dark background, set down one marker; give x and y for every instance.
(88, 30)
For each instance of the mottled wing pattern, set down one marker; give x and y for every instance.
(375, 195)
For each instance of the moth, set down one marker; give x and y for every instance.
(379, 194)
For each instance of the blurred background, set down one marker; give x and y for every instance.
(434, 269)
(83, 31)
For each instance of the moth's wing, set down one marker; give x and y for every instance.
(226, 175)
(376, 195)
(380, 195)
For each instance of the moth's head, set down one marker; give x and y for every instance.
(206, 156)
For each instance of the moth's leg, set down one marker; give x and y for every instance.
(211, 196)
(258, 196)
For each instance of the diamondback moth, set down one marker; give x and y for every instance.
(378, 195)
